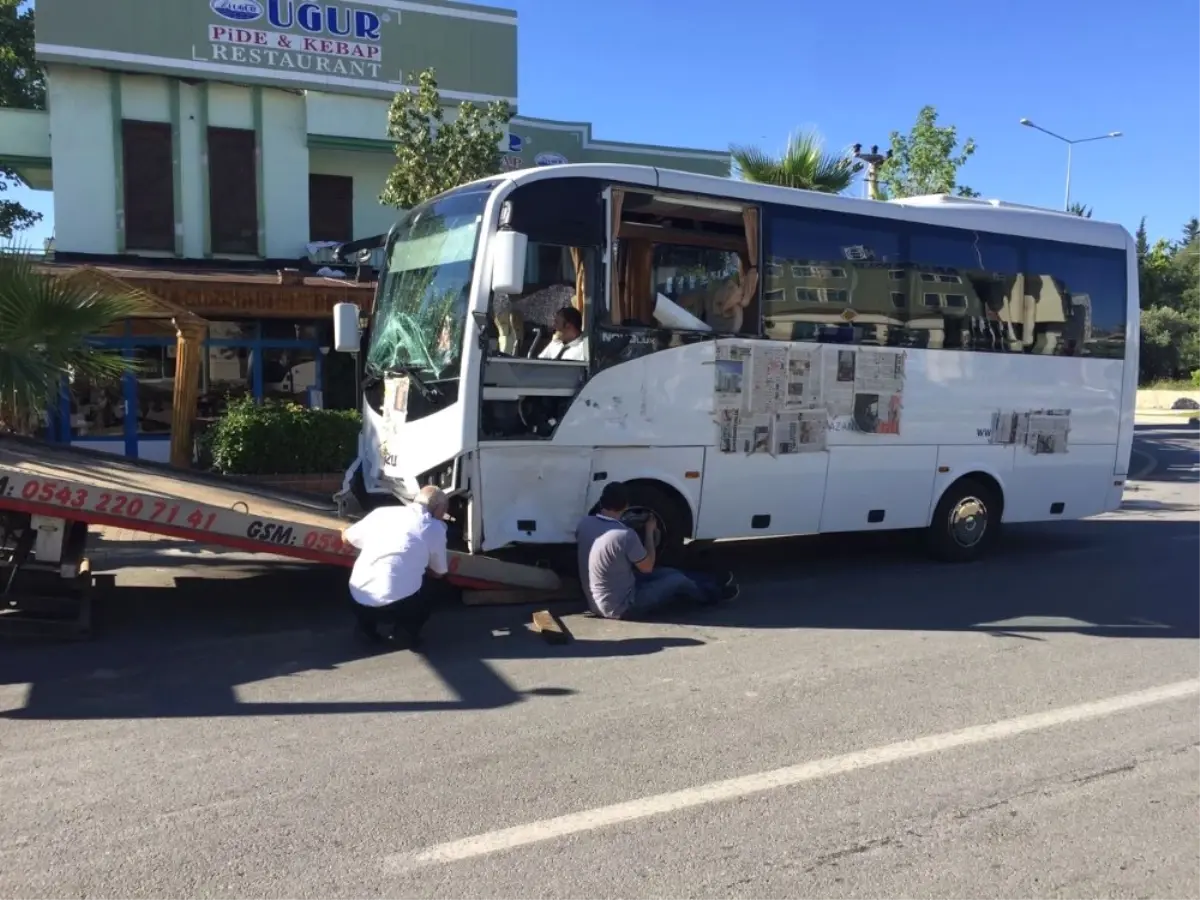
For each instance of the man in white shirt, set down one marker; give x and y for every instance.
(568, 341)
(398, 546)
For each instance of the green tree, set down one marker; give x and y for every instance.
(926, 160)
(1143, 239)
(1080, 209)
(433, 155)
(22, 85)
(45, 322)
(1191, 230)
(1170, 348)
(803, 164)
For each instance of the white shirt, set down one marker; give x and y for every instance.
(575, 351)
(396, 545)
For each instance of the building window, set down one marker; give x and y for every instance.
(896, 274)
(149, 196)
(956, 301)
(155, 387)
(899, 299)
(289, 373)
(232, 191)
(330, 208)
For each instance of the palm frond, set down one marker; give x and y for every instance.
(803, 164)
(45, 324)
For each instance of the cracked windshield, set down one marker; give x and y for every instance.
(422, 307)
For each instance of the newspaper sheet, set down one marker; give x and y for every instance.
(838, 382)
(863, 389)
(744, 433)
(768, 379)
(1039, 430)
(799, 432)
(730, 384)
(878, 391)
(1047, 431)
(803, 378)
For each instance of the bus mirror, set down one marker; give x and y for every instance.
(346, 338)
(508, 262)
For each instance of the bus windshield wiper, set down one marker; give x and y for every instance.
(410, 372)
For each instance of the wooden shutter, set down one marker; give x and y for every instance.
(330, 208)
(232, 191)
(149, 185)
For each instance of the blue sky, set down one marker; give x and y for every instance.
(706, 74)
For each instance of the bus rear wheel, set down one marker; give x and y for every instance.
(674, 522)
(965, 523)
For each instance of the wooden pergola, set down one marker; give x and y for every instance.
(190, 333)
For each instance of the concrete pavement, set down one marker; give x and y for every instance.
(226, 738)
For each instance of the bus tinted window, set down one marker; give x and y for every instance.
(956, 249)
(854, 279)
(1090, 285)
(829, 277)
(964, 280)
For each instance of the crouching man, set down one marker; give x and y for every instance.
(616, 566)
(399, 546)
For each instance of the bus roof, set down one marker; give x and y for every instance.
(995, 216)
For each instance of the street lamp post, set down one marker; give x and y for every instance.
(1070, 144)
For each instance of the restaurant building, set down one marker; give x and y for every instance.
(197, 149)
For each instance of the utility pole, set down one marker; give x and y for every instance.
(874, 159)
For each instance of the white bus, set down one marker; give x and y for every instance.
(760, 361)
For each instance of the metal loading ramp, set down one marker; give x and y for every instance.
(95, 488)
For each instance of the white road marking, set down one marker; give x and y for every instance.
(1145, 470)
(721, 791)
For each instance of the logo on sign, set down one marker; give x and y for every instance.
(237, 10)
(515, 143)
(549, 159)
(323, 18)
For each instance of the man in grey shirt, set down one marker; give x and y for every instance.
(616, 569)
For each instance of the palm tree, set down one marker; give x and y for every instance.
(804, 164)
(1079, 209)
(45, 323)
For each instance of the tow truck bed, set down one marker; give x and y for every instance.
(76, 485)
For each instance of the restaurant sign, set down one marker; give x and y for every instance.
(323, 38)
(364, 47)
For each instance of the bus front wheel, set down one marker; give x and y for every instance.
(966, 521)
(674, 519)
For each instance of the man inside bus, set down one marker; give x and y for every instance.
(617, 571)
(568, 342)
(401, 548)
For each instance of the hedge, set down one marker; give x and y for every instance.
(282, 439)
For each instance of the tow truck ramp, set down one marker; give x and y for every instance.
(50, 494)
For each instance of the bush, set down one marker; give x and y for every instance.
(282, 439)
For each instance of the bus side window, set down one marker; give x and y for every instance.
(701, 261)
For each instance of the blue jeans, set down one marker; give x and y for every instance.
(665, 586)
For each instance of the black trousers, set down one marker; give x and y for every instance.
(403, 617)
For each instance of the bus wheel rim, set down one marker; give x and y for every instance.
(968, 522)
(644, 511)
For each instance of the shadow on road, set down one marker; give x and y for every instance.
(1103, 577)
(182, 651)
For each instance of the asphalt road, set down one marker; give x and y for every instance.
(862, 723)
